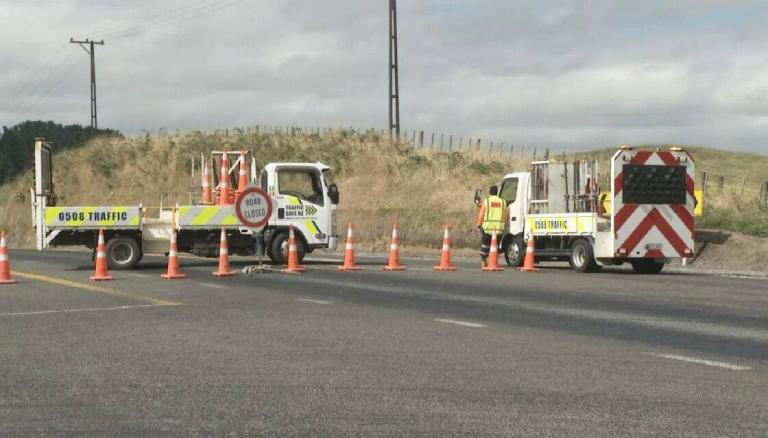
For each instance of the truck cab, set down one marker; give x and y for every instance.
(304, 198)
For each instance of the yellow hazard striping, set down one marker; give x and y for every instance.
(205, 216)
(699, 195)
(94, 288)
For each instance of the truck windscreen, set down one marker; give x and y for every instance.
(650, 184)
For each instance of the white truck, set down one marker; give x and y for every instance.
(301, 194)
(647, 221)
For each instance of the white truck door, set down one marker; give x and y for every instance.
(300, 201)
(513, 192)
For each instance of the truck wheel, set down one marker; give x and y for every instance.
(647, 266)
(514, 252)
(123, 253)
(582, 257)
(278, 249)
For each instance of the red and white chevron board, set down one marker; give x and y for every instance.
(652, 230)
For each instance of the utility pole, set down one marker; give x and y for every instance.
(394, 84)
(92, 54)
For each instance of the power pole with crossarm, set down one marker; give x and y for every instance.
(92, 54)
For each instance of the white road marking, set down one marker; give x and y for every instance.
(214, 286)
(133, 274)
(462, 323)
(710, 363)
(307, 300)
(43, 312)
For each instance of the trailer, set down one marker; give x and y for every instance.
(647, 222)
(301, 193)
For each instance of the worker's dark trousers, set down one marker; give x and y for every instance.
(485, 245)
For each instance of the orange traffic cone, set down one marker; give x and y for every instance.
(349, 254)
(293, 255)
(5, 266)
(207, 195)
(529, 265)
(493, 255)
(223, 270)
(101, 260)
(394, 253)
(445, 257)
(173, 261)
(225, 183)
(242, 181)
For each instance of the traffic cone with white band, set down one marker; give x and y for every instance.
(529, 265)
(349, 254)
(394, 253)
(445, 256)
(5, 266)
(493, 255)
(293, 255)
(225, 184)
(207, 195)
(242, 180)
(173, 261)
(223, 270)
(101, 272)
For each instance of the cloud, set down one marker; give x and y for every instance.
(560, 74)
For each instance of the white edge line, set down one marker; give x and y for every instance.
(308, 300)
(462, 323)
(710, 363)
(94, 309)
(215, 286)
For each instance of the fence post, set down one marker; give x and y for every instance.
(450, 143)
(704, 181)
(546, 154)
(432, 142)
(421, 139)
(720, 183)
(441, 141)
(764, 194)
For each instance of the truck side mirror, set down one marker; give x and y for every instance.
(333, 193)
(478, 197)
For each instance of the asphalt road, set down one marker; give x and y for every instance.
(375, 353)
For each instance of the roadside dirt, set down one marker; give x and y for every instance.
(730, 251)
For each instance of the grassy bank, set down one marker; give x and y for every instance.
(380, 183)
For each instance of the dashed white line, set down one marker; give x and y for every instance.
(308, 300)
(94, 309)
(462, 323)
(710, 363)
(214, 286)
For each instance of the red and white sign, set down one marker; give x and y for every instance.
(254, 208)
(652, 230)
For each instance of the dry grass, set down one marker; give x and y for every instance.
(380, 183)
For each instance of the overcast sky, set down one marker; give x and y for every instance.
(563, 74)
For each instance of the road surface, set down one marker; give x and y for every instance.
(375, 353)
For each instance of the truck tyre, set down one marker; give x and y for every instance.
(278, 249)
(123, 253)
(647, 266)
(514, 252)
(583, 257)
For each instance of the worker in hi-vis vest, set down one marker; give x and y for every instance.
(493, 216)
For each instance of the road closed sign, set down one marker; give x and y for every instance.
(254, 208)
